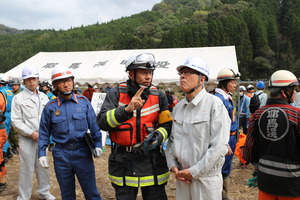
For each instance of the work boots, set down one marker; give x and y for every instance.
(225, 191)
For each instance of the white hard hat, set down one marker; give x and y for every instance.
(30, 72)
(76, 86)
(61, 72)
(141, 61)
(197, 64)
(227, 74)
(95, 87)
(242, 88)
(250, 87)
(283, 78)
(3, 78)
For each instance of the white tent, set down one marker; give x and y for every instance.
(109, 66)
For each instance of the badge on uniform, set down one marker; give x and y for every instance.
(57, 112)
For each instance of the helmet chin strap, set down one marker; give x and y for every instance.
(139, 85)
(68, 92)
(193, 90)
(288, 96)
(197, 86)
(65, 93)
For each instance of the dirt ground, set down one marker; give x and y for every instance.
(239, 189)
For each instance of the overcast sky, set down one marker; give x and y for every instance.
(64, 14)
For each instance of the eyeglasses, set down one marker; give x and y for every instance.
(65, 80)
(187, 72)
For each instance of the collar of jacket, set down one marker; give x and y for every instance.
(271, 101)
(60, 100)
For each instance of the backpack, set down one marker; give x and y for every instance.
(254, 103)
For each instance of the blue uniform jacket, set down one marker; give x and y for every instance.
(70, 120)
(244, 106)
(229, 106)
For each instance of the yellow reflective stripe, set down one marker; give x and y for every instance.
(132, 181)
(140, 181)
(116, 180)
(163, 132)
(146, 181)
(163, 178)
(111, 119)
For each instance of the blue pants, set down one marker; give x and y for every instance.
(70, 162)
(227, 167)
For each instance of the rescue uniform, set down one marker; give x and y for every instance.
(273, 141)
(26, 113)
(68, 120)
(8, 97)
(244, 112)
(199, 143)
(3, 137)
(226, 99)
(130, 169)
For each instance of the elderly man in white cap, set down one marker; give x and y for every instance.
(198, 144)
(27, 107)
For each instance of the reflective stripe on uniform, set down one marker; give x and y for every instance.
(163, 132)
(111, 119)
(132, 181)
(140, 181)
(279, 169)
(146, 181)
(150, 110)
(121, 104)
(163, 178)
(116, 180)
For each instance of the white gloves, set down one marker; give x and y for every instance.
(98, 152)
(44, 162)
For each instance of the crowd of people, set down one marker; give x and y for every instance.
(152, 133)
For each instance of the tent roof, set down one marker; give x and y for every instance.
(109, 66)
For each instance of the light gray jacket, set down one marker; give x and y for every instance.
(200, 135)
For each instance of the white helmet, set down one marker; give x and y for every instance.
(3, 78)
(242, 88)
(141, 61)
(30, 72)
(227, 74)
(250, 87)
(61, 72)
(197, 64)
(282, 78)
(95, 87)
